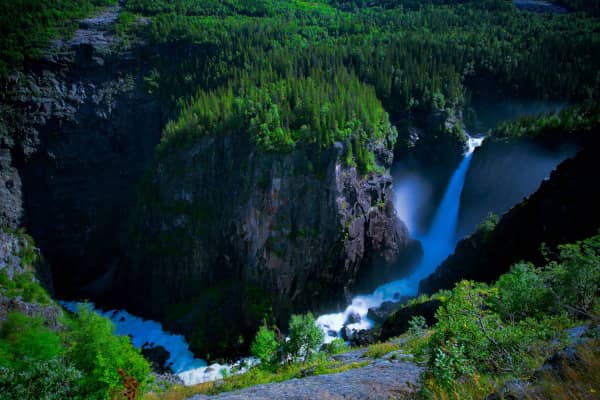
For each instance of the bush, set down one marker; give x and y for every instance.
(25, 339)
(305, 337)
(417, 325)
(99, 354)
(522, 293)
(575, 279)
(41, 380)
(336, 346)
(265, 346)
(469, 326)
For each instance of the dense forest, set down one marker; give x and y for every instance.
(311, 76)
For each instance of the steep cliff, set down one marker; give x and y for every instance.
(564, 209)
(226, 234)
(77, 130)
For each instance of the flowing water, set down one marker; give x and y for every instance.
(182, 362)
(438, 243)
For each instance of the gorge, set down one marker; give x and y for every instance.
(208, 176)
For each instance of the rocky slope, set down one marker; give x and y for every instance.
(393, 376)
(564, 209)
(226, 234)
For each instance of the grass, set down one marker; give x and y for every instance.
(378, 350)
(580, 381)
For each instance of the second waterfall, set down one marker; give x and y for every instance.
(438, 243)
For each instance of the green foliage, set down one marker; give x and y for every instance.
(471, 335)
(513, 325)
(522, 293)
(23, 282)
(279, 116)
(42, 380)
(378, 350)
(99, 353)
(449, 363)
(575, 278)
(265, 346)
(305, 338)
(25, 339)
(24, 285)
(416, 58)
(336, 346)
(26, 26)
(582, 120)
(417, 325)
(488, 224)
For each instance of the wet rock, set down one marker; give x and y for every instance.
(353, 318)
(158, 357)
(364, 337)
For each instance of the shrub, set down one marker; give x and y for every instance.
(449, 363)
(336, 346)
(575, 279)
(488, 225)
(41, 380)
(265, 346)
(522, 293)
(24, 339)
(417, 325)
(99, 354)
(468, 325)
(305, 337)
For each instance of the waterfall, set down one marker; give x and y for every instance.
(438, 243)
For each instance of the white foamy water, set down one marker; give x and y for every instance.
(438, 243)
(182, 362)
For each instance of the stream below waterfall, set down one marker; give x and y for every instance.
(438, 242)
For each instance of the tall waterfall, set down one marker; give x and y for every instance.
(438, 243)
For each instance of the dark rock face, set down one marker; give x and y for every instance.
(77, 130)
(397, 323)
(564, 209)
(224, 230)
(502, 174)
(158, 357)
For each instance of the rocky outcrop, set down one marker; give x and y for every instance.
(503, 173)
(564, 209)
(20, 261)
(226, 234)
(77, 129)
